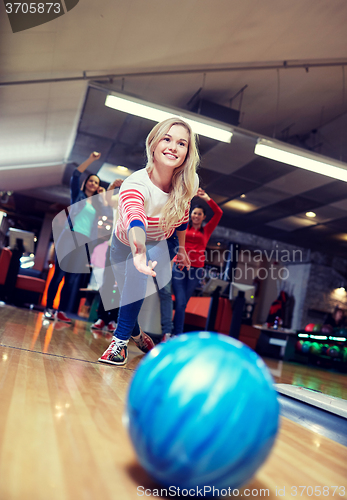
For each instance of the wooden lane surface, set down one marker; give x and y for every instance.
(62, 438)
(29, 330)
(326, 381)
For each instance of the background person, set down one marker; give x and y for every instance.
(108, 317)
(336, 319)
(184, 281)
(82, 222)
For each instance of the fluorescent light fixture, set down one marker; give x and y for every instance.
(32, 165)
(302, 159)
(200, 125)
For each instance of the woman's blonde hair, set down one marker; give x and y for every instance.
(183, 179)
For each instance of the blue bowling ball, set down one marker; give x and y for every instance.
(202, 412)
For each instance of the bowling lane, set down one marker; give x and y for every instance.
(317, 379)
(62, 438)
(29, 330)
(61, 435)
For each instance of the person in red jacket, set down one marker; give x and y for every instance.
(184, 281)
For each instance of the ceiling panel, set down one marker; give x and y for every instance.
(329, 193)
(291, 223)
(228, 158)
(263, 170)
(326, 213)
(299, 181)
(232, 186)
(265, 195)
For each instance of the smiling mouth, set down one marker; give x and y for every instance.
(170, 156)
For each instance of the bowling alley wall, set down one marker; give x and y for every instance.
(314, 280)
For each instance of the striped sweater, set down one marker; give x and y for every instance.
(140, 204)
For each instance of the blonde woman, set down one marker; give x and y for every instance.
(153, 203)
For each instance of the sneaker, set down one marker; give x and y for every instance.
(116, 353)
(144, 342)
(166, 337)
(111, 326)
(98, 325)
(49, 314)
(61, 316)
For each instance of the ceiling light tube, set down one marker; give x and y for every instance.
(200, 125)
(302, 159)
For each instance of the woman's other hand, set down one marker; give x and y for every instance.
(183, 259)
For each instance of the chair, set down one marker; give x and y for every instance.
(25, 287)
(248, 334)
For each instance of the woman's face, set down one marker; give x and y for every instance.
(197, 216)
(92, 185)
(172, 149)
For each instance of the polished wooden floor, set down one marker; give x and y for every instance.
(61, 432)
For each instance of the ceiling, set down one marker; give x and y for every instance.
(279, 64)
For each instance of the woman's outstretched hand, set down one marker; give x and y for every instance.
(137, 239)
(140, 262)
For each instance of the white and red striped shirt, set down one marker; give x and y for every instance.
(140, 204)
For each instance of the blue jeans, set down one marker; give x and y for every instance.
(107, 291)
(70, 279)
(166, 308)
(183, 283)
(133, 284)
(165, 293)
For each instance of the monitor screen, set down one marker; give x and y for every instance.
(213, 284)
(25, 236)
(249, 291)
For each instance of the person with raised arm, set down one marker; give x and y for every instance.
(84, 210)
(184, 281)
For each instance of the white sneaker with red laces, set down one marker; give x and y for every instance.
(116, 353)
(112, 326)
(166, 337)
(49, 314)
(61, 316)
(98, 325)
